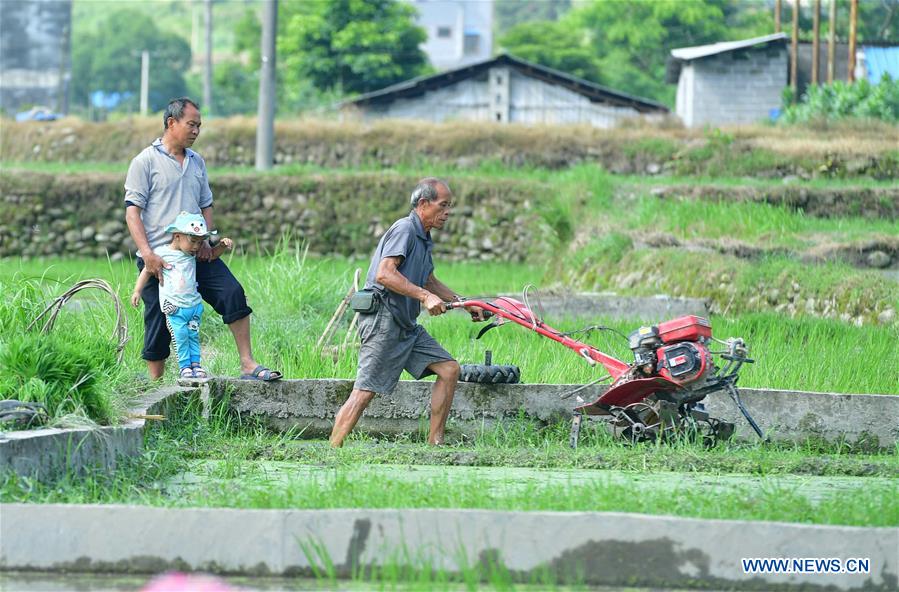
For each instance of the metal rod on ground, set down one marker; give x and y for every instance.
(816, 40)
(853, 27)
(794, 52)
(145, 416)
(265, 124)
(831, 41)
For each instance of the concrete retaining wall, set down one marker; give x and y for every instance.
(49, 453)
(869, 420)
(590, 548)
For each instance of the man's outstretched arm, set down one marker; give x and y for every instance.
(389, 276)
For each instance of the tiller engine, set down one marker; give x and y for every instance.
(660, 393)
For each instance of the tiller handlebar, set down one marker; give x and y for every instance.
(673, 370)
(515, 311)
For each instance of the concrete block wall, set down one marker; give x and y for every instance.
(738, 87)
(310, 406)
(50, 453)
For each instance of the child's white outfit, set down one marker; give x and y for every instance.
(181, 303)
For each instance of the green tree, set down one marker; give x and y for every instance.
(351, 46)
(510, 13)
(235, 81)
(632, 39)
(108, 60)
(555, 45)
(878, 20)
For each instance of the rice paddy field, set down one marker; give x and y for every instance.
(223, 461)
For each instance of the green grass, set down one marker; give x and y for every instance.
(294, 297)
(760, 182)
(483, 168)
(757, 224)
(343, 478)
(72, 370)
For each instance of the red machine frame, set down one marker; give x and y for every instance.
(627, 390)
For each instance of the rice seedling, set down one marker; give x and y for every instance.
(294, 296)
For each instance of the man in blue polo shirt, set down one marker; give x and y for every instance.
(401, 274)
(165, 179)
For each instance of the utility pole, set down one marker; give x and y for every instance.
(207, 71)
(777, 11)
(65, 70)
(832, 41)
(144, 81)
(794, 51)
(265, 121)
(853, 26)
(816, 41)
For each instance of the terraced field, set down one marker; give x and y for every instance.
(805, 269)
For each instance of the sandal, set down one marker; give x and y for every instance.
(186, 372)
(199, 371)
(262, 373)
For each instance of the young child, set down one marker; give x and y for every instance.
(178, 296)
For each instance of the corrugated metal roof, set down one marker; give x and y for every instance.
(704, 51)
(593, 91)
(880, 61)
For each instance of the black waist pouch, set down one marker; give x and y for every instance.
(364, 302)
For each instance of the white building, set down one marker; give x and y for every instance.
(459, 31)
(503, 89)
(35, 56)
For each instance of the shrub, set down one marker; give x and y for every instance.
(842, 100)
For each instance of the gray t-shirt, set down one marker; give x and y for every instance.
(162, 188)
(407, 239)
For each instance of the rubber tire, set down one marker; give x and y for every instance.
(483, 374)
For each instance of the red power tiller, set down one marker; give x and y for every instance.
(656, 395)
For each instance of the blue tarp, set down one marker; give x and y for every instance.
(880, 61)
(106, 100)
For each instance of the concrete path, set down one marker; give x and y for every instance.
(601, 548)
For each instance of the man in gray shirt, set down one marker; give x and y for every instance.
(165, 179)
(401, 274)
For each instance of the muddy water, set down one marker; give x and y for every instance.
(813, 488)
(52, 582)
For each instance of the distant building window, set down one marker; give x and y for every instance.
(444, 32)
(471, 44)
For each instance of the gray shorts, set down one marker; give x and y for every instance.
(388, 349)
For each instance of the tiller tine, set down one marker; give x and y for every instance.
(576, 420)
(735, 395)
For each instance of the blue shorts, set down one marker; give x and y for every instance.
(218, 287)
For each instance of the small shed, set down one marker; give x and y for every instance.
(503, 89)
(730, 82)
